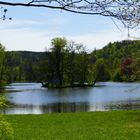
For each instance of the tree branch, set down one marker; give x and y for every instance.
(127, 11)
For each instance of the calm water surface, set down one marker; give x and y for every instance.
(31, 98)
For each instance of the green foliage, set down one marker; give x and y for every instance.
(22, 66)
(2, 64)
(101, 73)
(116, 57)
(117, 76)
(6, 131)
(3, 102)
(67, 65)
(136, 69)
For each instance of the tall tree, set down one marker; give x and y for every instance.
(81, 65)
(71, 63)
(56, 61)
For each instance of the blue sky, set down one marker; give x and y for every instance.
(33, 28)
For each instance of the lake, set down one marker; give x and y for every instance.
(32, 98)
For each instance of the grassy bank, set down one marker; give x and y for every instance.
(113, 125)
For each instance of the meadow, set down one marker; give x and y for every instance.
(109, 125)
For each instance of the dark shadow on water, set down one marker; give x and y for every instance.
(50, 108)
(69, 107)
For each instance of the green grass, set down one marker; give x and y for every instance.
(112, 125)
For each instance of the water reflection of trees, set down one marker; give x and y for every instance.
(71, 107)
(65, 107)
(49, 108)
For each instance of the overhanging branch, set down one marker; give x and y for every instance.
(126, 11)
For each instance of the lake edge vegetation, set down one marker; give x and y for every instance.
(6, 130)
(67, 64)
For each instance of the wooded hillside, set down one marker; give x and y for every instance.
(118, 61)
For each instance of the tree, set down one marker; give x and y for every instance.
(66, 65)
(127, 69)
(81, 65)
(71, 62)
(55, 62)
(58, 50)
(2, 63)
(100, 71)
(127, 11)
(136, 69)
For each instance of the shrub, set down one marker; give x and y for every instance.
(6, 131)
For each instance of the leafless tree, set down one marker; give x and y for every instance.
(127, 11)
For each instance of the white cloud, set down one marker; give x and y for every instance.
(25, 39)
(16, 36)
(19, 35)
(99, 39)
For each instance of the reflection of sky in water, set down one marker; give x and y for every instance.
(34, 99)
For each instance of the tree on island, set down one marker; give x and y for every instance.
(66, 65)
(127, 11)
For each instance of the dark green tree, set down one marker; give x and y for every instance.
(2, 64)
(67, 64)
(55, 63)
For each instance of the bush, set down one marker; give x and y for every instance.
(3, 102)
(6, 131)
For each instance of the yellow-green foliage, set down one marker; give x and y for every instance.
(6, 131)
(3, 102)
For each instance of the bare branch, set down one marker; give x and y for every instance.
(127, 11)
(4, 11)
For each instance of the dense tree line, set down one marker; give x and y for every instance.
(22, 66)
(121, 59)
(68, 64)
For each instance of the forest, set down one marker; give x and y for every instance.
(67, 64)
